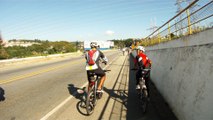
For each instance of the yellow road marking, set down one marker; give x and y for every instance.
(35, 73)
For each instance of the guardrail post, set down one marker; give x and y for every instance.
(159, 37)
(169, 31)
(189, 23)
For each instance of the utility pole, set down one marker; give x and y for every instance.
(153, 26)
(179, 25)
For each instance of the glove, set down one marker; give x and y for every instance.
(105, 62)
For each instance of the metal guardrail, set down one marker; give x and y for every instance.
(186, 22)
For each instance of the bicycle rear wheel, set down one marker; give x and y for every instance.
(144, 101)
(143, 98)
(90, 101)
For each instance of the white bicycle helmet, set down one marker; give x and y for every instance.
(93, 44)
(141, 48)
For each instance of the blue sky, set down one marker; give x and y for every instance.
(80, 20)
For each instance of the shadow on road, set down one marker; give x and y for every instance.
(80, 106)
(2, 98)
(73, 91)
(118, 95)
(158, 109)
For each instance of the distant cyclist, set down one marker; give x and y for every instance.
(142, 62)
(123, 50)
(93, 56)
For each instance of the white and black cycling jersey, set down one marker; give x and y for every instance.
(98, 55)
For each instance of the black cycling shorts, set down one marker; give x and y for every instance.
(98, 72)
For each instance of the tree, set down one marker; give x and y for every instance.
(41, 48)
(3, 53)
(123, 43)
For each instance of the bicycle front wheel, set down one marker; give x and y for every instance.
(90, 101)
(144, 101)
(143, 98)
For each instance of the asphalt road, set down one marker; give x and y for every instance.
(31, 90)
(47, 90)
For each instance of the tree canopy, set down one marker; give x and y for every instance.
(42, 48)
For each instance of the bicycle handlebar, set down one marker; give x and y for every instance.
(104, 62)
(146, 69)
(107, 70)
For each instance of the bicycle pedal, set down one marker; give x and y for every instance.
(99, 95)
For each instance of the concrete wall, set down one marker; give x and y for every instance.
(183, 73)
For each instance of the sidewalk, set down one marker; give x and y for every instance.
(125, 100)
(119, 92)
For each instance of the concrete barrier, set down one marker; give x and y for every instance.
(182, 71)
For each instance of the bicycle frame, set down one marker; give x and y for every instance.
(91, 97)
(143, 90)
(92, 94)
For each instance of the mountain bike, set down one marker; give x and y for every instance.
(92, 95)
(142, 92)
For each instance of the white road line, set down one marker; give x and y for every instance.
(60, 105)
(66, 100)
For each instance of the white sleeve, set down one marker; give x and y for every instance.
(140, 59)
(105, 59)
